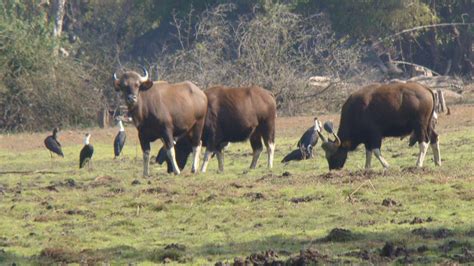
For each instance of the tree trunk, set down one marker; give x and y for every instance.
(58, 11)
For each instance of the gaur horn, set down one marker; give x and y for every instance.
(115, 76)
(145, 72)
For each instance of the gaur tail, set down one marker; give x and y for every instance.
(434, 116)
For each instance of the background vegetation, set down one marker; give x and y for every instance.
(57, 56)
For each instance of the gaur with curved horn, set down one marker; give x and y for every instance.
(165, 111)
(377, 111)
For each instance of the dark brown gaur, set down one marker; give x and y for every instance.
(165, 111)
(377, 111)
(238, 114)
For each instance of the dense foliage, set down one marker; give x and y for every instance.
(276, 44)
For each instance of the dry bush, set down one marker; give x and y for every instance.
(276, 49)
(38, 88)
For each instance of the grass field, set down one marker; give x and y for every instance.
(51, 212)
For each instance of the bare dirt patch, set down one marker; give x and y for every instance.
(305, 199)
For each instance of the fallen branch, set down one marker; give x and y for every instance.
(415, 65)
(422, 27)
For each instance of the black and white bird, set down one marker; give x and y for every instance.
(119, 140)
(305, 144)
(52, 144)
(86, 152)
(295, 155)
(309, 139)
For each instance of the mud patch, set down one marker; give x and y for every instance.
(308, 257)
(332, 175)
(254, 196)
(340, 235)
(418, 220)
(272, 258)
(86, 213)
(103, 181)
(305, 199)
(417, 170)
(155, 190)
(269, 257)
(58, 255)
(136, 182)
(388, 202)
(172, 252)
(235, 185)
(390, 250)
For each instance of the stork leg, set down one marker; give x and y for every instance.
(207, 156)
(378, 155)
(422, 154)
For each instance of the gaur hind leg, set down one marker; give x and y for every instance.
(168, 142)
(196, 143)
(368, 157)
(434, 141)
(421, 136)
(257, 147)
(269, 140)
(374, 147)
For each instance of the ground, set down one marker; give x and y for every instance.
(299, 213)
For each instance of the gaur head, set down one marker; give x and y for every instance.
(130, 84)
(335, 153)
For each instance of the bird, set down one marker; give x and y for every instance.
(86, 152)
(119, 140)
(295, 155)
(52, 144)
(309, 139)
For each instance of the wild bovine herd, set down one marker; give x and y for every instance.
(186, 118)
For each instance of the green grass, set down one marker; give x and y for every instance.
(217, 217)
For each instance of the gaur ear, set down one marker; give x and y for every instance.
(146, 85)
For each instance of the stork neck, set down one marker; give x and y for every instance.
(316, 126)
(86, 140)
(120, 124)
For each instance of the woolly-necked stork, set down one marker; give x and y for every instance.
(309, 139)
(305, 144)
(52, 144)
(119, 140)
(86, 152)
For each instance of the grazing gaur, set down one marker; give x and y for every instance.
(237, 114)
(52, 144)
(377, 111)
(86, 153)
(119, 140)
(165, 111)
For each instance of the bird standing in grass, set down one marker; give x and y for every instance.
(86, 152)
(305, 144)
(309, 139)
(119, 140)
(52, 144)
